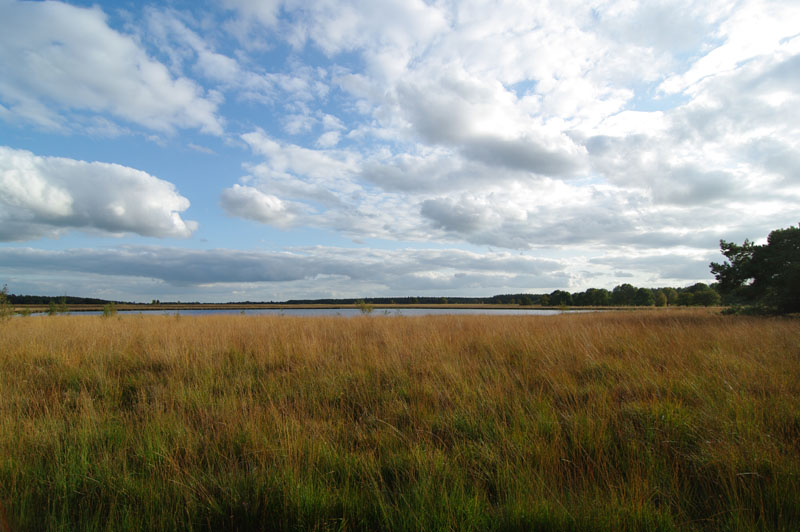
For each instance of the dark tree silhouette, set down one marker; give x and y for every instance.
(765, 275)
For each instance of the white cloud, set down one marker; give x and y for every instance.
(673, 269)
(291, 158)
(338, 26)
(263, 12)
(330, 123)
(482, 120)
(328, 140)
(400, 271)
(298, 123)
(252, 204)
(678, 26)
(291, 86)
(753, 29)
(729, 143)
(57, 60)
(44, 196)
(437, 195)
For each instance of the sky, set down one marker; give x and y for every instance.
(266, 150)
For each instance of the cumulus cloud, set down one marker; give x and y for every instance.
(44, 196)
(59, 61)
(549, 215)
(251, 203)
(484, 123)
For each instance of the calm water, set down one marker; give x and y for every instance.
(346, 312)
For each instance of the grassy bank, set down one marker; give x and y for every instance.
(682, 420)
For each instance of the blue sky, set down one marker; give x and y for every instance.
(277, 149)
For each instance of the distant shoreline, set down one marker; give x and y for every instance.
(279, 306)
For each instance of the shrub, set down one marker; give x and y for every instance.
(364, 307)
(109, 309)
(6, 310)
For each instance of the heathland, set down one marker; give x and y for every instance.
(672, 419)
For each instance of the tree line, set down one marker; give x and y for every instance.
(46, 300)
(624, 295)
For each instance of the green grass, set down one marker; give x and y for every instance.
(674, 420)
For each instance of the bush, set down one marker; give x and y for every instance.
(109, 309)
(6, 310)
(364, 307)
(54, 308)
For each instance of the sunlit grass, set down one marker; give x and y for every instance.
(682, 420)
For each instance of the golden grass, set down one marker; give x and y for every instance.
(682, 420)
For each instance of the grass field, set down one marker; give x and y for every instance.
(669, 420)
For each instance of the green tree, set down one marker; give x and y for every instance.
(644, 298)
(685, 298)
(706, 297)
(672, 296)
(624, 294)
(660, 298)
(601, 297)
(697, 287)
(560, 298)
(766, 275)
(593, 297)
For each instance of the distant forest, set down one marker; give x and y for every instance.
(699, 294)
(45, 300)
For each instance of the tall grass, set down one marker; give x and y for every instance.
(617, 421)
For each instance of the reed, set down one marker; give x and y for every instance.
(670, 420)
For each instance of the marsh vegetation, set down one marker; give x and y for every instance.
(660, 420)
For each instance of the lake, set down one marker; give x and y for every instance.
(345, 312)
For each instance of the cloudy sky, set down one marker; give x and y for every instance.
(273, 149)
